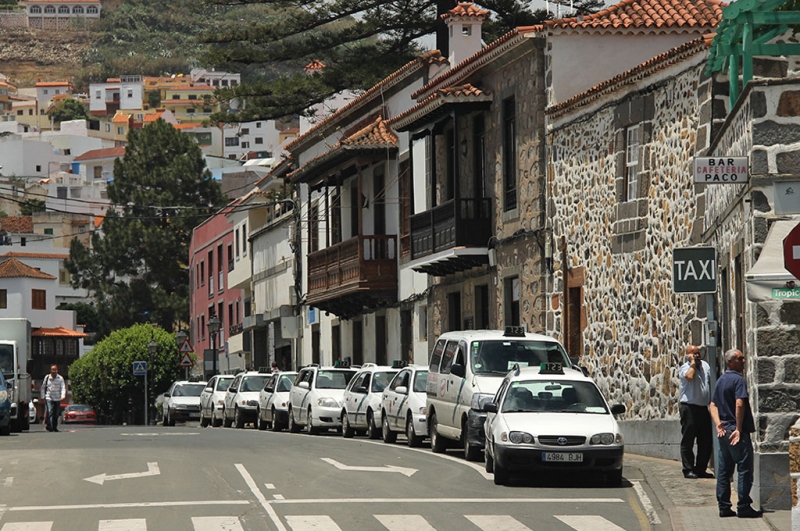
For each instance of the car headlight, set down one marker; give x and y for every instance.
(3, 396)
(520, 437)
(606, 438)
(252, 403)
(327, 402)
(479, 399)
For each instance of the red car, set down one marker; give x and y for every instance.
(75, 413)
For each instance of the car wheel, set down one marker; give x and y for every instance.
(5, 430)
(203, 420)
(388, 435)
(238, 420)
(293, 426)
(414, 440)
(438, 444)
(372, 429)
(471, 452)
(614, 478)
(312, 430)
(347, 429)
(275, 425)
(261, 423)
(488, 461)
(226, 422)
(500, 475)
(215, 422)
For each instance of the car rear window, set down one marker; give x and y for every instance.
(79, 408)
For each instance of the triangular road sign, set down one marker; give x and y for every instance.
(186, 346)
(186, 361)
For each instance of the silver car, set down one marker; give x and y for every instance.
(212, 400)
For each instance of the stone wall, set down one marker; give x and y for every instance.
(13, 20)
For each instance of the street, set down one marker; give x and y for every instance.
(188, 478)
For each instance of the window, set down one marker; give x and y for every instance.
(232, 141)
(48, 231)
(36, 9)
(3, 299)
(512, 292)
(631, 162)
(423, 323)
(92, 10)
(63, 10)
(20, 112)
(244, 239)
(479, 156)
(78, 10)
(97, 172)
(509, 155)
(50, 10)
(38, 167)
(245, 130)
(63, 277)
(45, 91)
(454, 311)
(258, 125)
(258, 140)
(130, 93)
(192, 96)
(313, 229)
(38, 299)
(98, 94)
(245, 145)
(120, 130)
(108, 128)
(190, 110)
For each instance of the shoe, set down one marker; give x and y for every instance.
(56, 430)
(690, 475)
(725, 513)
(49, 428)
(704, 474)
(749, 513)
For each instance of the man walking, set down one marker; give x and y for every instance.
(695, 377)
(54, 390)
(730, 412)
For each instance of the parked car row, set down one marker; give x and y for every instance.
(514, 394)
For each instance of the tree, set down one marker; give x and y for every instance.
(136, 269)
(359, 41)
(28, 206)
(104, 378)
(69, 109)
(154, 99)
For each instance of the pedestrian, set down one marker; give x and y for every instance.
(54, 390)
(695, 376)
(275, 367)
(731, 414)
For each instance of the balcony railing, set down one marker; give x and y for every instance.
(235, 329)
(366, 261)
(465, 223)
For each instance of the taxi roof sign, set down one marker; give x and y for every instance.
(551, 368)
(515, 331)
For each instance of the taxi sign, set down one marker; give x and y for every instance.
(515, 331)
(399, 364)
(551, 368)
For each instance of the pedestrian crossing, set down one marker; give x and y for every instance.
(390, 522)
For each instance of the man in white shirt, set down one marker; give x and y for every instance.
(695, 419)
(54, 390)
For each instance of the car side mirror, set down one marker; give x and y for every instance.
(490, 407)
(269, 389)
(360, 390)
(401, 390)
(167, 395)
(208, 390)
(618, 409)
(458, 370)
(231, 389)
(303, 385)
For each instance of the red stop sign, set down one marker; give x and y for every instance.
(791, 252)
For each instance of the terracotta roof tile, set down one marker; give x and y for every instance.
(647, 14)
(57, 332)
(466, 9)
(152, 117)
(17, 224)
(13, 268)
(44, 256)
(649, 67)
(455, 94)
(120, 118)
(316, 64)
(376, 133)
(181, 88)
(106, 153)
(53, 83)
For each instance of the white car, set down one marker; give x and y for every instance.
(273, 401)
(241, 398)
(361, 403)
(182, 402)
(315, 400)
(549, 419)
(212, 400)
(404, 406)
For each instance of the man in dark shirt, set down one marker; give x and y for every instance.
(730, 412)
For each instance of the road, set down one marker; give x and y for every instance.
(186, 478)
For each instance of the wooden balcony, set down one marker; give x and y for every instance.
(355, 275)
(451, 237)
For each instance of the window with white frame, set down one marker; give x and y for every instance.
(631, 162)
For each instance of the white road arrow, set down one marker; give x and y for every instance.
(152, 470)
(388, 468)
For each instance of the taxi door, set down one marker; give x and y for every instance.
(207, 396)
(450, 387)
(298, 394)
(395, 402)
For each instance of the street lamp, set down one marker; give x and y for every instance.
(180, 337)
(153, 348)
(213, 329)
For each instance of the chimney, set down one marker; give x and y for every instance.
(464, 31)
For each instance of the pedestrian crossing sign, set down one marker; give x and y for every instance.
(186, 346)
(139, 368)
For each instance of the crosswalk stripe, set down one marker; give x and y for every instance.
(312, 523)
(130, 524)
(404, 522)
(216, 523)
(589, 523)
(28, 526)
(497, 522)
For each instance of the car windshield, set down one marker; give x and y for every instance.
(334, 379)
(189, 390)
(554, 397)
(285, 384)
(500, 356)
(420, 381)
(253, 383)
(224, 383)
(380, 380)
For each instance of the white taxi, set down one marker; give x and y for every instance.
(549, 418)
(182, 402)
(404, 406)
(361, 404)
(212, 400)
(241, 398)
(273, 401)
(315, 400)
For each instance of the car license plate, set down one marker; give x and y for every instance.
(194, 415)
(562, 457)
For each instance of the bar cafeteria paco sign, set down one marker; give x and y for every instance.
(720, 170)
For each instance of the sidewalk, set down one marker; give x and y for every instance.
(691, 503)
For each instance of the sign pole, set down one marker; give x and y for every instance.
(145, 400)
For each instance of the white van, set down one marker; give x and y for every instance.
(465, 372)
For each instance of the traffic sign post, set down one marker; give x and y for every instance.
(186, 359)
(140, 369)
(694, 270)
(791, 252)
